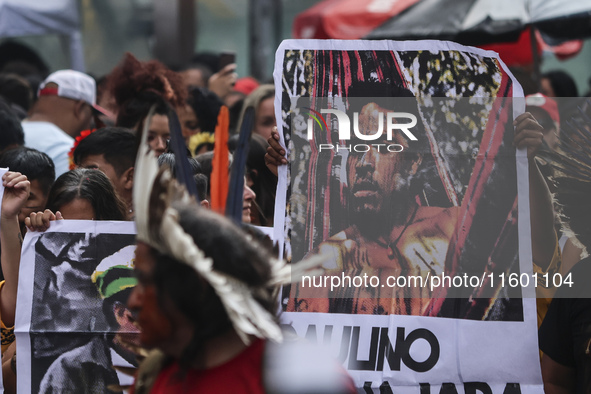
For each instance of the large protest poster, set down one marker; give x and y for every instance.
(402, 172)
(72, 321)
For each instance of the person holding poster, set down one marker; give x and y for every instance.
(15, 195)
(403, 169)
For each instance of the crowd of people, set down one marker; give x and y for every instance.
(204, 290)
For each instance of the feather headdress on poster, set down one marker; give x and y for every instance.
(155, 194)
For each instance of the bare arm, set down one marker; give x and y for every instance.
(558, 378)
(16, 193)
(571, 255)
(8, 370)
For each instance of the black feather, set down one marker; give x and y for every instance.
(236, 189)
(184, 174)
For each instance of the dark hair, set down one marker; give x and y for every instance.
(234, 113)
(16, 90)
(206, 106)
(201, 183)
(208, 61)
(170, 160)
(205, 160)
(91, 185)
(264, 181)
(116, 144)
(132, 77)
(233, 254)
(562, 83)
(34, 164)
(200, 179)
(206, 72)
(12, 132)
(132, 113)
(13, 51)
(254, 100)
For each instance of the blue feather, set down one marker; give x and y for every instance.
(236, 189)
(184, 175)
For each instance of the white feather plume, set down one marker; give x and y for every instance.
(166, 235)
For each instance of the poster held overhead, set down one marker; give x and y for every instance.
(403, 171)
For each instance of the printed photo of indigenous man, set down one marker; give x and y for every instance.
(390, 234)
(392, 217)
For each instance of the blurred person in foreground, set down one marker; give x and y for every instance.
(206, 301)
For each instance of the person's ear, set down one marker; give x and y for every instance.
(127, 178)
(79, 109)
(204, 204)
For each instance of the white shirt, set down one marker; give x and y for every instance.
(50, 139)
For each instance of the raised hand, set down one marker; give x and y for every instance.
(528, 134)
(275, 155)
(16, 192)
(39, 221)
(221, 83)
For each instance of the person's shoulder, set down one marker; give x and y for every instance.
(39, 132)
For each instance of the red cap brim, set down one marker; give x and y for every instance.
(103, 111)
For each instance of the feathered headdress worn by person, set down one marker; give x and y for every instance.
(155, 195)
(572, 167)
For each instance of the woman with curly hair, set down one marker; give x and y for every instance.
(137, 87)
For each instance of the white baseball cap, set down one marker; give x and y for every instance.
(73, 85)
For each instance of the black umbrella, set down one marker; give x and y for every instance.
(478, 22)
